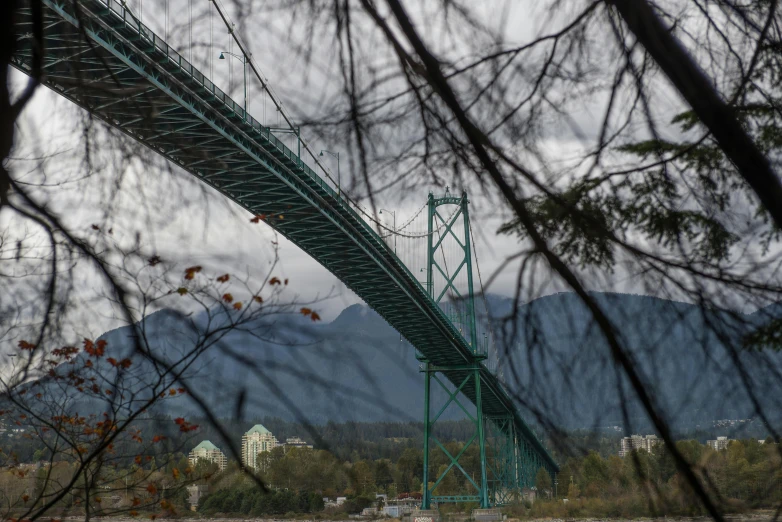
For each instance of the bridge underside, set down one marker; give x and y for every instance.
(104, 60)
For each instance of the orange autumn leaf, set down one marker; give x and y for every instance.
(158, 438)
(112, 361)
(185, 426)
(151, 489)
(24, 345)
(223, 278)
(136, 501)
(95, 349)
(125, 363)
(25, 498)
(138, 461)
(314, 316)
(306, 311)
(175, 472)
(181, 290)
(191, 272)
(172, 391)
(98, 500)
(228, 298)
(181, 390)
(286, 281)
(274, 281)
(258, 299)
(237, 306)
(133, 513)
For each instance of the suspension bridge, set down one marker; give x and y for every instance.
(101, 56)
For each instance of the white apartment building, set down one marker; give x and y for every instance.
(638, 442)
(207, 451)
(255, 441)
(720, 444)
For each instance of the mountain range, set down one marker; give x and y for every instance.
(552, 358)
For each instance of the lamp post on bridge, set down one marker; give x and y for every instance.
(393, 213)
(339, 176)
(243, 59)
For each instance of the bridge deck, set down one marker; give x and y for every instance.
(104, 60)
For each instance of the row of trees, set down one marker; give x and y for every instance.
(253, 501)
(743, 476)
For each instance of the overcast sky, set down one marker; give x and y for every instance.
(198, 225)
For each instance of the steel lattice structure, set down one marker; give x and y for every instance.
(102, 58)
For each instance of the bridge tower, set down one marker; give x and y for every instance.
(456, 228)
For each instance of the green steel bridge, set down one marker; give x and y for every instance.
(100, 56)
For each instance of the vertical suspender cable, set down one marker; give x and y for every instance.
(211, 43)
(190, 12)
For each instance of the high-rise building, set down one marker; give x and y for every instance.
(255, 441)
(207, 451)
(720, 444)
(638, 442)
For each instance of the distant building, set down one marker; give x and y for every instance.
(255, 441)
(296, 442)
(194, 494)
(396, 508)
(207, 451)
(638, 442)
(720, 444)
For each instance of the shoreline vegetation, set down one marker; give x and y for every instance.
(744, 476)
(754, 516)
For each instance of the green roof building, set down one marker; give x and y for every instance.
(257, 440)
(207, 451)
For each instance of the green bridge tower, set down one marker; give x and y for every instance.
(456, 227)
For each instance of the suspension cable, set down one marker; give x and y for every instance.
(483, 292)
(268, 89)
(211, 42)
